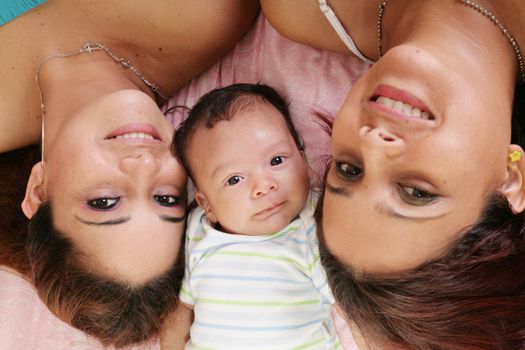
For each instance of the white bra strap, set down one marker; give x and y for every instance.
(340, 30)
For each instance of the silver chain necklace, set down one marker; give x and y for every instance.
(479, 9)
(89, 48)
(382, 6)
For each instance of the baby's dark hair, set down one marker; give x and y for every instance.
(223, 104)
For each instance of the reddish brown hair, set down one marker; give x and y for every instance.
(472, 298)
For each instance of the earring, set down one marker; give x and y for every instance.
(515, 156)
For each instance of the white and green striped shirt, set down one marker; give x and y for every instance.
(257, 292)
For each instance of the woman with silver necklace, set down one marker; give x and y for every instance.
(422, 222)
(106, 202)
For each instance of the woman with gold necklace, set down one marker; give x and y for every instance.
(106, 201)
(422, 223)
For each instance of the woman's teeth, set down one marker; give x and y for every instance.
(404, 108)
(135, 135)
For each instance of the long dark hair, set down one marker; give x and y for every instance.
(116, 313)
(15, 167)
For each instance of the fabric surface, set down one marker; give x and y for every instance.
(10, 9)
(314, 82)
(257, 292)
(26, 323)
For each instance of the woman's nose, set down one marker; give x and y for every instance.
(141, 162)
(264, 184)
(383, 140)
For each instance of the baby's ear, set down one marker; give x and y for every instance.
(203, 202)
(513, 188)
(35, 193)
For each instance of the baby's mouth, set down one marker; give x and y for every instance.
(270, 209)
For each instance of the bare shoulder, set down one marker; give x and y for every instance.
(303, 21)
(167, 16)
(178, 38)
(171, 42)
(168, 22)
(19, 106)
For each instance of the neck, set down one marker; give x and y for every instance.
(449, 26)
(68, 84)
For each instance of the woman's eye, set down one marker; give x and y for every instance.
(348, 170)
(416, 196)
(103, 203)
(276, 160)
(233, 180)
(167, 200)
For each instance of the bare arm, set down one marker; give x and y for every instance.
(303, 21)
(170, 43)
(177, 328)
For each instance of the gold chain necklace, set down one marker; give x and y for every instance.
(89, 48)
(477, 8)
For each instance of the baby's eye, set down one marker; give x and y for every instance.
(167, 200)
(233, 180)
(348, 171)
(277, 160)
(103, 203)
(416, 196)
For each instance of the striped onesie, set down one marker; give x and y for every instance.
(257, 292)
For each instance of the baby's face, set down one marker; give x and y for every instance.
(250, 175)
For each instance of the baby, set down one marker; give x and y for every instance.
(253, 276)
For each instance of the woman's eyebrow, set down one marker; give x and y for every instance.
(124, 219)
(338, 190)
(116, 221)
(173, 219)
(384, 209)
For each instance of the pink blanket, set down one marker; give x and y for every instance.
(26, 323)
(313, 81)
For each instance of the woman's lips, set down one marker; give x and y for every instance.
(135, 131)
(400, 103)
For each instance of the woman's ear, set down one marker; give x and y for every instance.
(203, 202)
(35, 193)
(513, 188)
